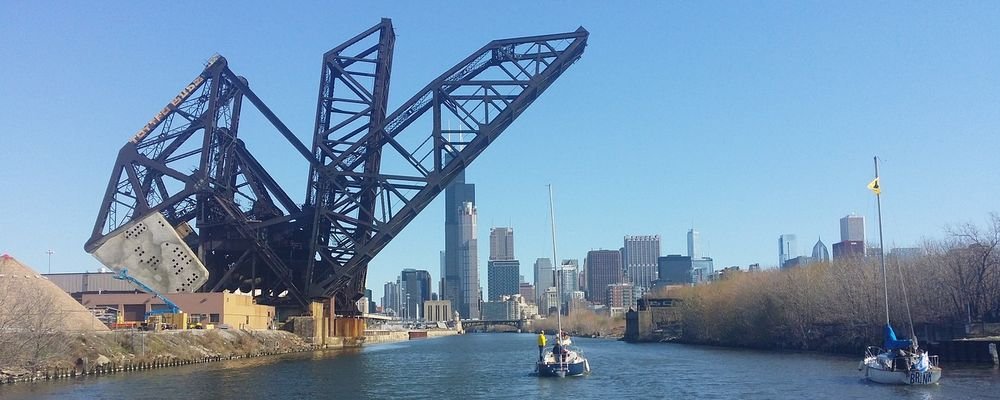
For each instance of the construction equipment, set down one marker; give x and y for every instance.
(170, 317)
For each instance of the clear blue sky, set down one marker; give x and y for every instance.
(746, 120)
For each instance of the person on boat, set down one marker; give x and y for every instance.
(541, 344)
(557, 351)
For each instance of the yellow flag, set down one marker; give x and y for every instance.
(874, 186)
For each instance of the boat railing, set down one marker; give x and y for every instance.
(933, 360)
(873, 351)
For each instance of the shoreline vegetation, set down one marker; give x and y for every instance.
(583, 323)
(839, 306)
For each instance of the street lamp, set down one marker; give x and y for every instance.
(50, 252)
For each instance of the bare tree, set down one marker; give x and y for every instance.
(971, 259)
(31, 330)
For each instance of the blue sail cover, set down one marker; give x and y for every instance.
(891, 343)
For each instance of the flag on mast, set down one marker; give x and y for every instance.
(874, 186)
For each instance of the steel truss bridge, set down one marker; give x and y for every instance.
(370, 171)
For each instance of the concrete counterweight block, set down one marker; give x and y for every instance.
(154, 254)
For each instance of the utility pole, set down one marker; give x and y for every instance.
(50, 252)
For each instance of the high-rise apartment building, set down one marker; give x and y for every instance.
(639, 256)
(622, 296)
(852, 228)
(786, 248)
(501, 244)
(543, 277)
(604, 267)
(694, 245)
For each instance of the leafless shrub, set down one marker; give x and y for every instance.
(30, 334)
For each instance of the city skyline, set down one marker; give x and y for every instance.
(828, 85)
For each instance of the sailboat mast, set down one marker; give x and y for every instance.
(555, 264)
(881, 247)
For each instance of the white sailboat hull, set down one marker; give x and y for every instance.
(876, 373)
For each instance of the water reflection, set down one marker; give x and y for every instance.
(499, 365)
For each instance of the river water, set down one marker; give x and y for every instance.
(499, 366)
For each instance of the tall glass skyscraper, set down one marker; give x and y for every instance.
(460, 272)
(568, 270)
(543, 277)
(415, 289)
(503, 271)
(786, 249)
(694, 246)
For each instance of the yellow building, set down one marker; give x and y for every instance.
(237, 311)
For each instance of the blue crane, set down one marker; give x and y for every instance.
(172, 308)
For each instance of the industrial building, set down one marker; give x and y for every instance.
(221, 309)
(102, 291)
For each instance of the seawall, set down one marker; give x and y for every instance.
(373, 337)
(102, 353)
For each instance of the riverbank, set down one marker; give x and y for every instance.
(113, 352)
(110, 352)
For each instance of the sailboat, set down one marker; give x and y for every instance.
(901, 361)
(563, 359)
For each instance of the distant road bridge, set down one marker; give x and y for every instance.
(471, 324)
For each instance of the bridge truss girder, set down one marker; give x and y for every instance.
(370, 174)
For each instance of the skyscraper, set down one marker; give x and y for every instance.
(604, 267)
(639, 257)
(503, 271)
(502, 278)
(543, 277)
(527, 291)
(786, 248)
(569, 271)
(852, 238)
(501, 243)
(390, 298)
(820, 253)
(852, 228)
(468, 264)
(675, 269)
(459, 245)
(703, 268)
(694, 246)
(415, 289)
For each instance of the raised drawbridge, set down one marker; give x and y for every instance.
(189, 208)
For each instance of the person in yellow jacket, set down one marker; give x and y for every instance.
(541, 344)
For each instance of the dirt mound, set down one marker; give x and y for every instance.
(30, 302)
